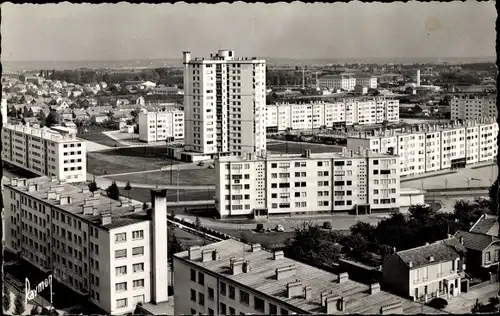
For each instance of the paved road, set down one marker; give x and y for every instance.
(462, 304)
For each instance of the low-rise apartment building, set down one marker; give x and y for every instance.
(473, 106)
(347, 82)
(433, 270)
(44, 151)
(426, 148)
(162, 125)
(115, 253)
(347, 112)
(482, 244)
(232, 278)
(320, 183)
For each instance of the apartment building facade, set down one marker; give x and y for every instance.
(100, 248)
(347, 112)
(4, 111)
(346, 82)
(426, 272)
(224, 104)
(254, 186)
(43, 151)
(161, 125)
(427, 148)
(473, 106)
(232, 278)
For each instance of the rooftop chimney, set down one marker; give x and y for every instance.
(246, 267)
(431, 258)
(461, 239)
(307, 292)
(394, 308)
(88, 209)
(343, 277)
(374, 288)
(236, 266)
(105, 218)
(137, 208)
(410, 264)
(32, 187)
(256, 247)
(159, 249)
(277, 255)
(66, 200)
(194, 253)
(206, 255)
(51, 195)
(14, 182)
(286, 272)
(85, 190)
(334, 304)
(294, 289)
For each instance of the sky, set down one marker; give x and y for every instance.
(125, 31)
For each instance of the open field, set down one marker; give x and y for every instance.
(127, 159)
(187, 239)
(202, 176)
(144, 195)
(478, 177)
(281, 147)
(99, 138)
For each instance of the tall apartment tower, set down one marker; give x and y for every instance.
(224, 104)
(418, 77)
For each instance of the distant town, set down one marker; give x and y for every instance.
(224, 185)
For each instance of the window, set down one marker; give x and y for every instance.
(193, 295)
(284, 311)
(487, 256)
(259, 304)
(201, 278)
(138, 234)
(222, 309)
(211, 294)
(138, 283)
(210, 311)
(138, 251)
(121, 303)
(193, 275)
(193, 312)
(201, 299)
(122, 253)
(222, 288)
(232, 311)
(232, 292)
(244, 297)
(138, 267)
(273, 309)
(121, 270)
(121, 287)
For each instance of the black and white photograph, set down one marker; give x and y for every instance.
(250, 158)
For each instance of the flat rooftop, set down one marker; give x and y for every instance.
(261, 278)
(122, 214)
(364, 153)
(43, 132)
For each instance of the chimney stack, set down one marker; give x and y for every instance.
(236, 266)
(256, 247)
(410, 264)
(294, 289)
(277, 255)
(286, 272)
(194, 252)
(105, 217)
(374, 288)
(307, 292)
(207, 255)
(246, 267)
(394, 308)
(431, 258)
(159, 249)
(31, 187)
(343, 277)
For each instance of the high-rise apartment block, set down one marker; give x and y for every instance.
(112, 251)
(473, 106)
(349, 111)
(43, 151)
(426, 147)
(4, 111)
(161, 125)
(231, 278)
(224, 104)
(315, 184)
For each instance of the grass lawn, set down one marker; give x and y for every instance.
(298, 148)
(144, 194)
(202, 176)
(186, 239)
(100, 138)
(127, 159)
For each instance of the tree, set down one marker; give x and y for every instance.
(113, 191)
(34, 310)
(6, 298)
(19, 306)
(174, 246)
(12, 112)
(197, 223)
(144, 206)
(93, 186)
(421, 212)
(363, 229)
(467, 213)
(41, 117)
(493, 194)
(128, 187)
(53, 118)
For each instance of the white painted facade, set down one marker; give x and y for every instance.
(346, 82)
(362, 111)
(160, 126)
(43, 151)
(109, 258)
(306, 184)
(224, 104)
(469, 106)
(428, 148)
(4, 111)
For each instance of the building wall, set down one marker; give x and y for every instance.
(159, 126)
(4, 111)
(473, 106)
(305, 185)
(431, 275)
(396, 275)
(490, 255)
(45, 152)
